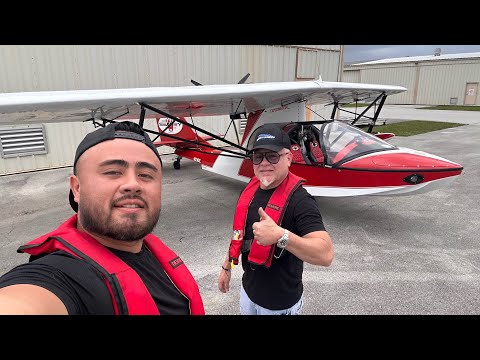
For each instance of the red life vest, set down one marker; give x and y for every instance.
(276, 206)
(129, 293)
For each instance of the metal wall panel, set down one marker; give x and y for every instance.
(75, 67)
(329, 66)
(401, 76)
(432, 82)
(70, 67)
(352, 76)
(438, 84)
(307, 64)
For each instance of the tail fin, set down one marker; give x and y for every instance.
(384, 136)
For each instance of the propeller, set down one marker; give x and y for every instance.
(242, 80)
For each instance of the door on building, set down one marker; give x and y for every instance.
(471, 94)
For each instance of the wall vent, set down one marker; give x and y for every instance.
(23, 141)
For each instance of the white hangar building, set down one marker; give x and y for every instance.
(450, 79)
(79, 67)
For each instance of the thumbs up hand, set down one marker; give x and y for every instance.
(266, 231)
(263, 214)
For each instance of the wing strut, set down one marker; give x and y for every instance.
(195, 128)
(194, 142)
(383, 96)
(236, 116)
(142, 117)
(375, 117)
(334, 110)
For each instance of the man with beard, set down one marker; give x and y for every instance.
(104, 259)
(277, 226)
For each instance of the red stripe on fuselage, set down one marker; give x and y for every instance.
(203, 155)
(320, 176)
(331, 177)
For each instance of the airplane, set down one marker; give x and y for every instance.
(335, 157)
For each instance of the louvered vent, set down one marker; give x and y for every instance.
(22, 141)
(243, 125)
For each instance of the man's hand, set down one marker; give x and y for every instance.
(224, 280)
(266, 231)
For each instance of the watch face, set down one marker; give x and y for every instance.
(282, 242)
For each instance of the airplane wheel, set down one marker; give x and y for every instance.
(176, 164)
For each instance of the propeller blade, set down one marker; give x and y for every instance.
(242, 80)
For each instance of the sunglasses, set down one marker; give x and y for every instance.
(272, 157)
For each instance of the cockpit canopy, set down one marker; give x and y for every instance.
(328, 142)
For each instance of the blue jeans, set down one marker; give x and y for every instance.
(248, 307)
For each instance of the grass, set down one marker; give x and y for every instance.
(452, 107)
(438, 107)
(414, 127)
(357, 105)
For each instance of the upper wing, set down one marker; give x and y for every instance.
(206, 100)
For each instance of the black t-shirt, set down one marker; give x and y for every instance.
(83, 291)
(280, 286)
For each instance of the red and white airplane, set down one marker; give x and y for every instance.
(335, 157)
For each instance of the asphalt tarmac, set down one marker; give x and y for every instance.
(415, 254)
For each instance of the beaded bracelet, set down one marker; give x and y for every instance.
(225, 268)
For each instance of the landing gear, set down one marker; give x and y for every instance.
(176, 164)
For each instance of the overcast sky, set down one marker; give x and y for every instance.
(361, 53)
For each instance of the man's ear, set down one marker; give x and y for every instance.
(75, 187)
(290, 158)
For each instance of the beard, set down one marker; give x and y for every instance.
(266, 182)
(130, 229)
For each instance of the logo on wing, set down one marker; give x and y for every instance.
(169, 126)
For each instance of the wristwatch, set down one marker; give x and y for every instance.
(283, 241)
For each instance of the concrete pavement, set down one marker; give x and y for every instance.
(416, 254)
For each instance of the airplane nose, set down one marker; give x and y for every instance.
(413, 161)
(400, 171)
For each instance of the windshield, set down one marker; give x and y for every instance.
(327, 143)
(343, 142)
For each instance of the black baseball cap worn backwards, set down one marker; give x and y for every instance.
(271, 138)
(120, 130)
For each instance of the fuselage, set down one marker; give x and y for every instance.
(347, 162)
